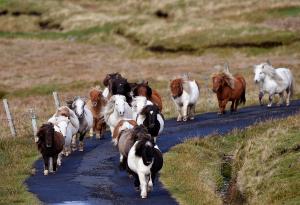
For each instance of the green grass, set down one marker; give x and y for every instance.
(47, 89)
(265, 165)
(16, 158)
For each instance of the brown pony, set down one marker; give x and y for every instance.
(50, 144)
(143, 89)
(96, 104)
(122, 125)
(229, 88)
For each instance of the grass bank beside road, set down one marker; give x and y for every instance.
(259, 165)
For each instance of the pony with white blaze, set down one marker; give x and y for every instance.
(274, 81)
(115, 110)
(185, 93)
(138, 103)
(85, 117)
(144, 161)
(65, 115)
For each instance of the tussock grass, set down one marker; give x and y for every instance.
(265, 167)
(16, 159)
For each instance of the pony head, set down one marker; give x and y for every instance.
(45, 134)
(221, 79)
(109, 77)
(119, 102)
(150, 112)
(176, 87)
(62, 123)
(95, 96)
(262, 70)
(138, 103)
(78, 106)
(145, 150)
(142, 89)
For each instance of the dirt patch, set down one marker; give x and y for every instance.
(291, 24)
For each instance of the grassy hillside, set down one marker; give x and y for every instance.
(257, 166)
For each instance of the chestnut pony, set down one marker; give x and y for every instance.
(229, 88)
(96, 104)
(143, 89)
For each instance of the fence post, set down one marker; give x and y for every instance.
(56, 100)
(9, 118)
(34, 124)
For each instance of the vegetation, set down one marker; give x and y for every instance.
(263, 166)
(16, 158)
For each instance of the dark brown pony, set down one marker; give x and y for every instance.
(143, 89)
(229, 88)
(96, 104)
(50, 143)
(118, 85)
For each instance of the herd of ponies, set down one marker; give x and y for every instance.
(133, 113)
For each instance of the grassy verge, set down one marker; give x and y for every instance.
(264, 166)
(16, 159)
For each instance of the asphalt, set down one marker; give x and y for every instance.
(93, 176)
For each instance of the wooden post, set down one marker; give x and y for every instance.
(34, 124)
(9, 118)
(56, 100)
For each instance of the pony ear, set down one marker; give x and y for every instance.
(144, 110)
(268, 62)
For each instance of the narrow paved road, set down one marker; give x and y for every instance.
(93, 177)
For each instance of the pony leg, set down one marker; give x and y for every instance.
(91, 134)
(54, 161)
(59, 159)
(74, 147)
(81, 141)
(185, 112)
(150, 184)
(179, 109)
(232, 106)
(223, 106)
(192, 112)
(260, 96)
(288, 92)
(270, 100)
(143, 185)
(236, 105)
(281, 99)
(46, 165)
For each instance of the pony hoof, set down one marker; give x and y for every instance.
(287, 104)
(46, 172)
(137, 188)
(184, 119)
(98, 136)
(80, 149)
(179, 119)
(269, 105)
(143, 197)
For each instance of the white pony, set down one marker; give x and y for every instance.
(185, 94)
(138, 103)
(65, 114)
(116, 109)
(85, 118)
(274, 81)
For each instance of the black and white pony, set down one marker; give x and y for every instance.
(152, 119)
(145, 160)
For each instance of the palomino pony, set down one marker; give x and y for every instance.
(67, 123)
(144, 160)
(96, 104)
(84, 116)
(138, 103)
(152, 119)
(143, 89)
(117, 85)
(116, 109)
(274, 81)
(229, 88)
(185, 94)
(50, 144)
